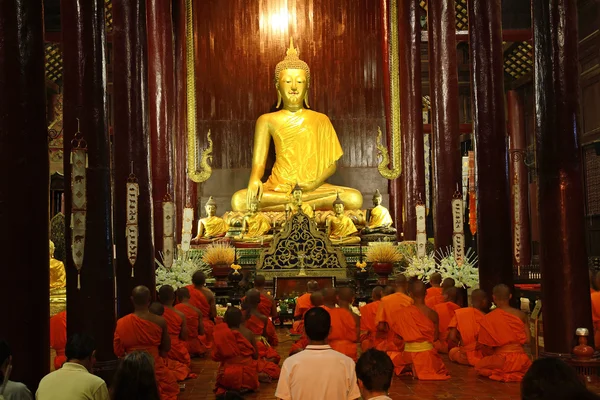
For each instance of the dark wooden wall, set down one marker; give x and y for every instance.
(238, 45)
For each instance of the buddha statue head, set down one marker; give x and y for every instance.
(292, 80)
(338, 206)
(377, 198)
(297, 194)
(253, 206)
(210, 207)
(51, 249)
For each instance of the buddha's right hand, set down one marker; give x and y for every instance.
(255, 191)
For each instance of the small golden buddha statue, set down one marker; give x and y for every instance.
(306, 147)
(58, 277)
(340, 228)
(297, 203)
(380, 220)
(255, 226)
(211, 227)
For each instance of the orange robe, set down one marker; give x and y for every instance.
(466, 321)
(342, 336)
(238, 370)
(299, 345)
(178, 357)
(192, 343)
(133, 333)
(435, 295)
(418, 332)
(369, 337)
(198, 300)
(58, 337)
(257, 326)
(393, 345)
(303, 304)
(445, 312)
(507, 334)
(596, 317)
(265, 351)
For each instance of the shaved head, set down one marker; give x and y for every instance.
(252, 297)
(312, 286)
(388, 290)
(501, 293)
(183, 293)
(157, 308)
(436, 278)
(316, 299)
(140, 296)
(377, 293)
(448, 282)
(259, 281)
(198, 279)
(346, 294)
(401, 283)
(451, 294)
(330, 295)
(233, 317)
(166, 294)
(479, 299)
(417, 290)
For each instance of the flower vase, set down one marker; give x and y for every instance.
(221, 272)
(383, 271)
(582, 351)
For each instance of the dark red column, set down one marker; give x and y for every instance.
(132, 148)
(179, 21)
(24, 190)
(444, 115)
(90, 309)
(489, 128)
(411, 104)
(161, 82)
(565, 281)
(519, 181)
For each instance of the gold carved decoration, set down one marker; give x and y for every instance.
(393, 171)
(302, 246)
(205, 172)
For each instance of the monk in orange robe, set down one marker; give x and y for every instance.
(445, 312)
(303, 304)
(503, 332)
(596, 318)
(145, 331)
(193, 316)
(436, 289)
(203, 299)
(464, 329)
(345, 325)
(316, 299)
(58, 337)
(593, 275)
(418, 326)
(267, 304)
(236, 352)
(368, 327)
(438, 299)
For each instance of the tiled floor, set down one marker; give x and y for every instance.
(464, 383)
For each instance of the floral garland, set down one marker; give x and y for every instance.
(421, 267)
(464, 273)
(180, 274)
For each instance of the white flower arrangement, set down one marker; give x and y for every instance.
(180, 274)
(464, 273)
(421, 267)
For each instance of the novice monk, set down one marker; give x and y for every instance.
(193, 316)
(316, 299)
(596, 318)
(145, 331)
(368, 327)
(438, 299)
(464, 328)
(203, 299)
(303, 304)
(267, 304)
(58, 337)
(418, 326)
(256, 321)
(504, 331)
(445, 312)
(345, 324)
(436, 289)
(236, 351)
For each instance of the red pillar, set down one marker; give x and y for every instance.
(444, 115)
(132, 148)
(565, 281)
(161, 86)
(411, 104)
(24, 192)
(519, 181)
(90, 309)
(493, 211)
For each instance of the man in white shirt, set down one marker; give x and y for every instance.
(10, 390)
(318, 372)
(74, 380)
(374, 370)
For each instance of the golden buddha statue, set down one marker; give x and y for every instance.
(306, 146)
(211, 227)
(255, 226)
(297, 203)
(340, 228)
(380, 220)
(58, 277)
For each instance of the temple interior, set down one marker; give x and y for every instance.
(291, 147)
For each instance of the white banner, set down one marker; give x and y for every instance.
(427, 149)
(458, 236)
(421, 230)
(78, 207)
(168, 233)
(131, 227)
(186, 233)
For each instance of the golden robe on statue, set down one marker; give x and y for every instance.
(214, 226)
(341, 227)
(58, 278)
(258, 225)
(380, 216)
